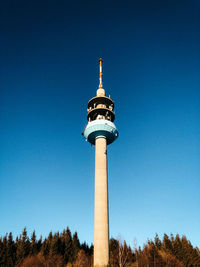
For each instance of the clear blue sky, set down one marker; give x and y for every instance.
(48, 72)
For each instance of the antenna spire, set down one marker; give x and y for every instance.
(100, 73)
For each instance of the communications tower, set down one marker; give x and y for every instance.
(101, 131)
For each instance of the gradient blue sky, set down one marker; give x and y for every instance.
(49, 71)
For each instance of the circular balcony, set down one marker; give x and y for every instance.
(100, 100)
(102, 111)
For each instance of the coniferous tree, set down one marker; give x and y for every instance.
(1, 249)
(68, 246)
(11, 251)
(75, 245)
(23, 247)
(39, 244)
(33, 244)
(157, 242)
(178, 248)
(45, 248)
(3, 253)
(153, 254)
(172, 243)
(55, 246)
(86, 248)
(113, 250)
(167, 244)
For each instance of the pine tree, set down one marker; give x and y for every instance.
(23, 247)
(55, 247)
(11, 251)
(152, 253)
(172, 242)
(157, 242)
(75, 245)
(167, 245)
(1, 249)
(178, 248)
(85, 247)
(33, 244)
(39, 244)
(45, 248)
(113, 250)
(3, 253)
(68, 246)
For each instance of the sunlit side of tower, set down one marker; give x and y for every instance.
(101, 131)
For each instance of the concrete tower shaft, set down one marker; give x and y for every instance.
(101, 223)
(101, 131)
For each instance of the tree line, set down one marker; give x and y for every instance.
(65, 250)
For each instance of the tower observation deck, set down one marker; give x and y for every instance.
(101, 131)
